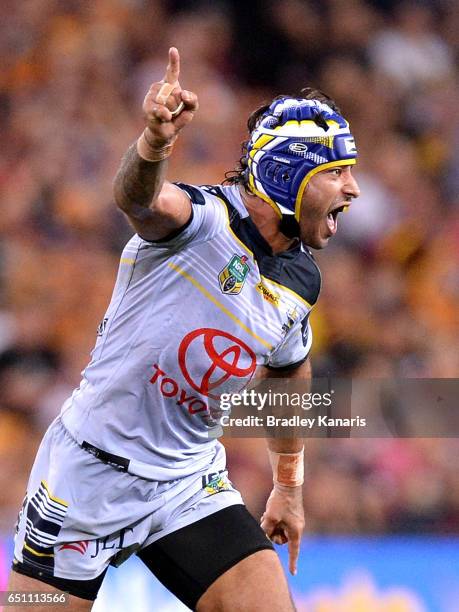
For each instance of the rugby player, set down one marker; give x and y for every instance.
(217, 283)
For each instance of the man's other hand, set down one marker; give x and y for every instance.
(283, 520)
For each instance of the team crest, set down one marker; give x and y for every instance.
(233, 275)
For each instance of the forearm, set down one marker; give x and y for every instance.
(286, 452)
(285, 445)
(138, 182)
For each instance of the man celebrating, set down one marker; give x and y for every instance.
(216, 284)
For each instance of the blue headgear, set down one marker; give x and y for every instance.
(294, 139)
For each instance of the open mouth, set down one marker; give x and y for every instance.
(332, 218)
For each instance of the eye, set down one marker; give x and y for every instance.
(336, 171)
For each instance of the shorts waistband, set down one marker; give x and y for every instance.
(114, 460)
(151, 471)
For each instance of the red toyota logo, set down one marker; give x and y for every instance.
(226, 356)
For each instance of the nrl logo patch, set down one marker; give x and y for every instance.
(233, 275)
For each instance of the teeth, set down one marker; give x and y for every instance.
(334, 213)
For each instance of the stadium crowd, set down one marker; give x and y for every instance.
(71, 90)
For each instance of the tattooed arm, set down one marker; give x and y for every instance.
(155, 207)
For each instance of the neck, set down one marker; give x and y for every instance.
(267, 221)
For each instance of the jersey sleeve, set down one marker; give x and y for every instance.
(208, 218)
(294, 348)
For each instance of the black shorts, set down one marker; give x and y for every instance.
(186, 561)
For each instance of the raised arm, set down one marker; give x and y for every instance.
(155, 207)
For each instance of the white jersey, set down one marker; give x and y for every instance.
(190, 317)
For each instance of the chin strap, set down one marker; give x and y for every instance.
(289, 226)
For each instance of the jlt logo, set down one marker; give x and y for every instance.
(117, 544)
(101, 543)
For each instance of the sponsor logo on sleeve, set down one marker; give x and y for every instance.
(292, 316)
(101, 327)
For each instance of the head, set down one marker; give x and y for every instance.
(298, 159)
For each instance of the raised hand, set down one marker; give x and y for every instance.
(167, 107)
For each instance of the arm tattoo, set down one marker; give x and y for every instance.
(138, 182)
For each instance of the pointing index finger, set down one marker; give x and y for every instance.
(173, 67)
(170, 80)
(294, 551)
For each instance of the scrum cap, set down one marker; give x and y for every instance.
(294, 139)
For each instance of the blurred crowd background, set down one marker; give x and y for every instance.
(73, 79)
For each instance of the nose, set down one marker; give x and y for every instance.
(351, 187)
